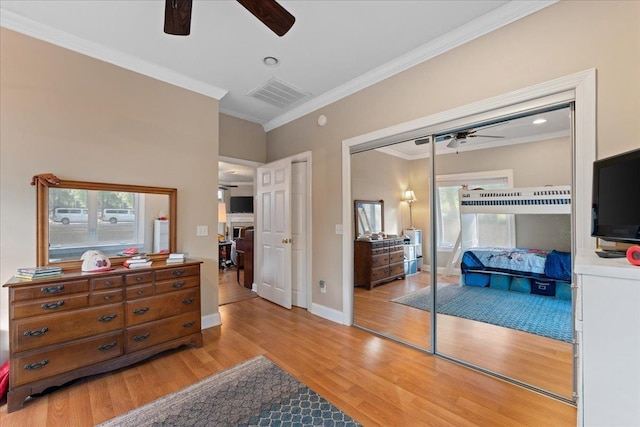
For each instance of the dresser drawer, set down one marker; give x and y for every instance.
(395, 257)
(150, 334)
(39, 365)
(148, 309)
(136, 278)
(50, 290)
(109, 282)
(106, 297)
(396, 269)
(141, 291)
(177, 284)
(174, 273)
(379, 273)
(379, 260)
(40, 331)
(50, 305)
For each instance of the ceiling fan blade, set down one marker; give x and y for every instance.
(177, 17)
(274, 16)
(485, 136)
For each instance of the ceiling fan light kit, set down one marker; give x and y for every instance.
(177, 16)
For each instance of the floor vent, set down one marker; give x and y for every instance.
(278, 93)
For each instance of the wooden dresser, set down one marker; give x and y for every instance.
(82, 324)
(378, 261)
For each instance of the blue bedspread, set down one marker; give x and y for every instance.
(525, 262)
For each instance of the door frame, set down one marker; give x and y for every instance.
(584, 86)
(305, 157)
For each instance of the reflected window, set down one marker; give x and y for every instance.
(480, 229)
(110, 221)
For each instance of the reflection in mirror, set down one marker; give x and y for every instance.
(77, 216)
(394, 266)
(369, 217)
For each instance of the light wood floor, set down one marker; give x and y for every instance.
(532, 359)
(376, 381)
(229, 290)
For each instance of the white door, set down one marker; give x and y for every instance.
(274, 229)
(299, 229)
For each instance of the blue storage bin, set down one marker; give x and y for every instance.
(477, 279)
(543, 287)
(521, 284)
(563, 290)
(500, 281)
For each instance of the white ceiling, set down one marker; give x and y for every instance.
(335, 48)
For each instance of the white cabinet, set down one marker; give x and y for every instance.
(413, 251)
(608, 324)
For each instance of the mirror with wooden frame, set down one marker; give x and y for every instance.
(117, 219)
(368, 216)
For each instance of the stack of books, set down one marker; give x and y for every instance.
(137, 262)
(33, 273)
(175, 258)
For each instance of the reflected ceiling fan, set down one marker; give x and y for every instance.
(226, 186)
(457, 138)
(177, 16)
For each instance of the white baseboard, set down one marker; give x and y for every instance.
(211, 320)
(328, 313)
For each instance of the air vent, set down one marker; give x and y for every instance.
(278, 93)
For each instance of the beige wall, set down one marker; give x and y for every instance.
(83, 119)
(563, 39)
(242, 139)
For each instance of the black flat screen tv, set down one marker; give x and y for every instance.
(241, 204)
(615, 210)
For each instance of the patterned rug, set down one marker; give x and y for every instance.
(254, 393)
(546, 316)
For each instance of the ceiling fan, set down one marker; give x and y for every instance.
(177, 16)
(226, 186)
(457, 138)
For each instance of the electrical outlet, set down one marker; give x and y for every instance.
(323, 286)
(339, 229)
(202, 230)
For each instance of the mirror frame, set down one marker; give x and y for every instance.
(355, 213)
(44, 181)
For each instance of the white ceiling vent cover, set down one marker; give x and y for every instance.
(278, 93)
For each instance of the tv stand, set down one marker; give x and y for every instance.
(611, 254)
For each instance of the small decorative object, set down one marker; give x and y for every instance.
(93, 260)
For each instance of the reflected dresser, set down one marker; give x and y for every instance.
(378, 261)
(81, 324)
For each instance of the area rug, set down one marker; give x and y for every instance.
(546, 316)
(254, 393)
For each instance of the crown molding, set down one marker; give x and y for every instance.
(480, 26)
(15, 22)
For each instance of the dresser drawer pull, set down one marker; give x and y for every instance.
(177, 273)
(178, 284)
(140, 292)
(52, 305)
(189, 324)
(142, 310)
(107, 297)
(108, 317)
(36, 333)
(188, 300)
(37, 365)
(138, 279)
(141, 337)
(52, 289)
(108, 283)
(108, 346)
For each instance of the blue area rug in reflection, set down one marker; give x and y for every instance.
(546, 316)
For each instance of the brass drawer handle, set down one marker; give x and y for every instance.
(52, 305)
(108, 346)
(108, 317)
(177, 273)
(189, 324)
(142, 310)
(141, 337)
(52, 289)
(178, 284)
(188, 300)
(37, 365)
(36, 333)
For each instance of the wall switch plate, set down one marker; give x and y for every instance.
(202, 230)
(323, 286)
(339, 229)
